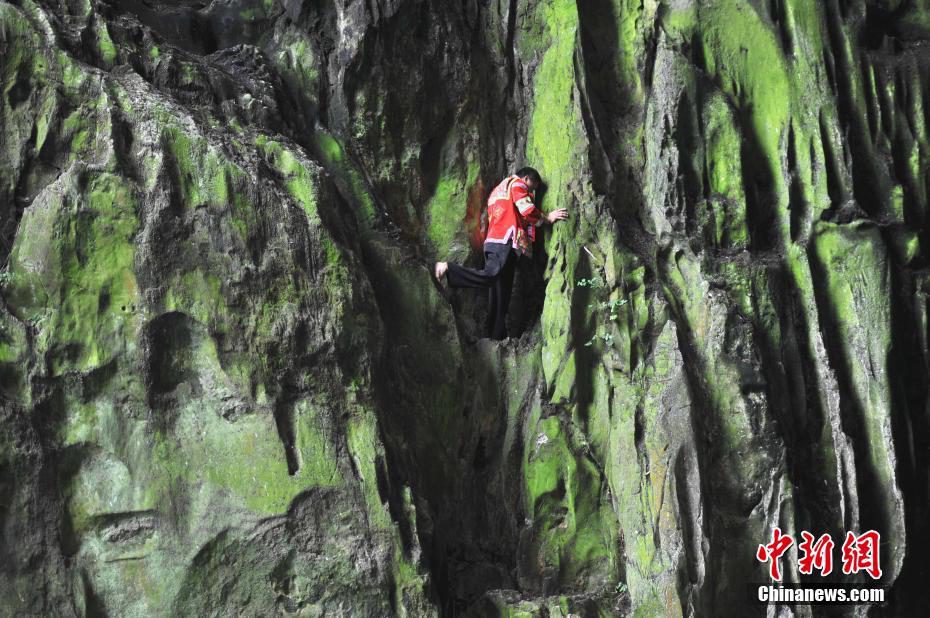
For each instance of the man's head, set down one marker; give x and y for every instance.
(530, 176)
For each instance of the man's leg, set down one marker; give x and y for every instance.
(499, 298)
(491, 321)
(527, 289)
(495, 257)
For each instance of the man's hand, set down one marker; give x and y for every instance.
(557, 215)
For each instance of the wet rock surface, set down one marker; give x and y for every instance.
(230, 385)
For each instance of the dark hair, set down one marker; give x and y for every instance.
(523, 172)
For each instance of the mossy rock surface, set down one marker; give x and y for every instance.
(230, 386)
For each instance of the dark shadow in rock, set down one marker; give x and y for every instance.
(601, 57)
(93, 604)
(689, 571)
(688, 134)
(70, 461)
(19, 92)
(611, 114)
(181, 24)
(431, 151)
(7, 489)
(833, 166)
(467, 510)
(584, 338)
(759, 185)
(910, 424)
(389, 483)
(170, 337)
(284, 421)
(95, 381)
(123, 141)
(870, 182)
(171, 343)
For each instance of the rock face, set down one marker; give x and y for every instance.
(230, 385)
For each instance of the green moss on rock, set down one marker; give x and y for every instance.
(74, 275)
(447, 210)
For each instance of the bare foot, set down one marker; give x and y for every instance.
(440, 269)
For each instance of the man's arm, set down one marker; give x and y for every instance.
(527, 207)
(523, 200)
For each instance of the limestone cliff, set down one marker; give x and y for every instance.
(229, 385)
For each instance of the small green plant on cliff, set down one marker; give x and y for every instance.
(590, 283)
(605, 309)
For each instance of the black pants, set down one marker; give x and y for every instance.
(497, 275)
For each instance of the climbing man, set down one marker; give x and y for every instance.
(512, 222)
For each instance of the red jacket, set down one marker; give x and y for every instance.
(512, 215)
